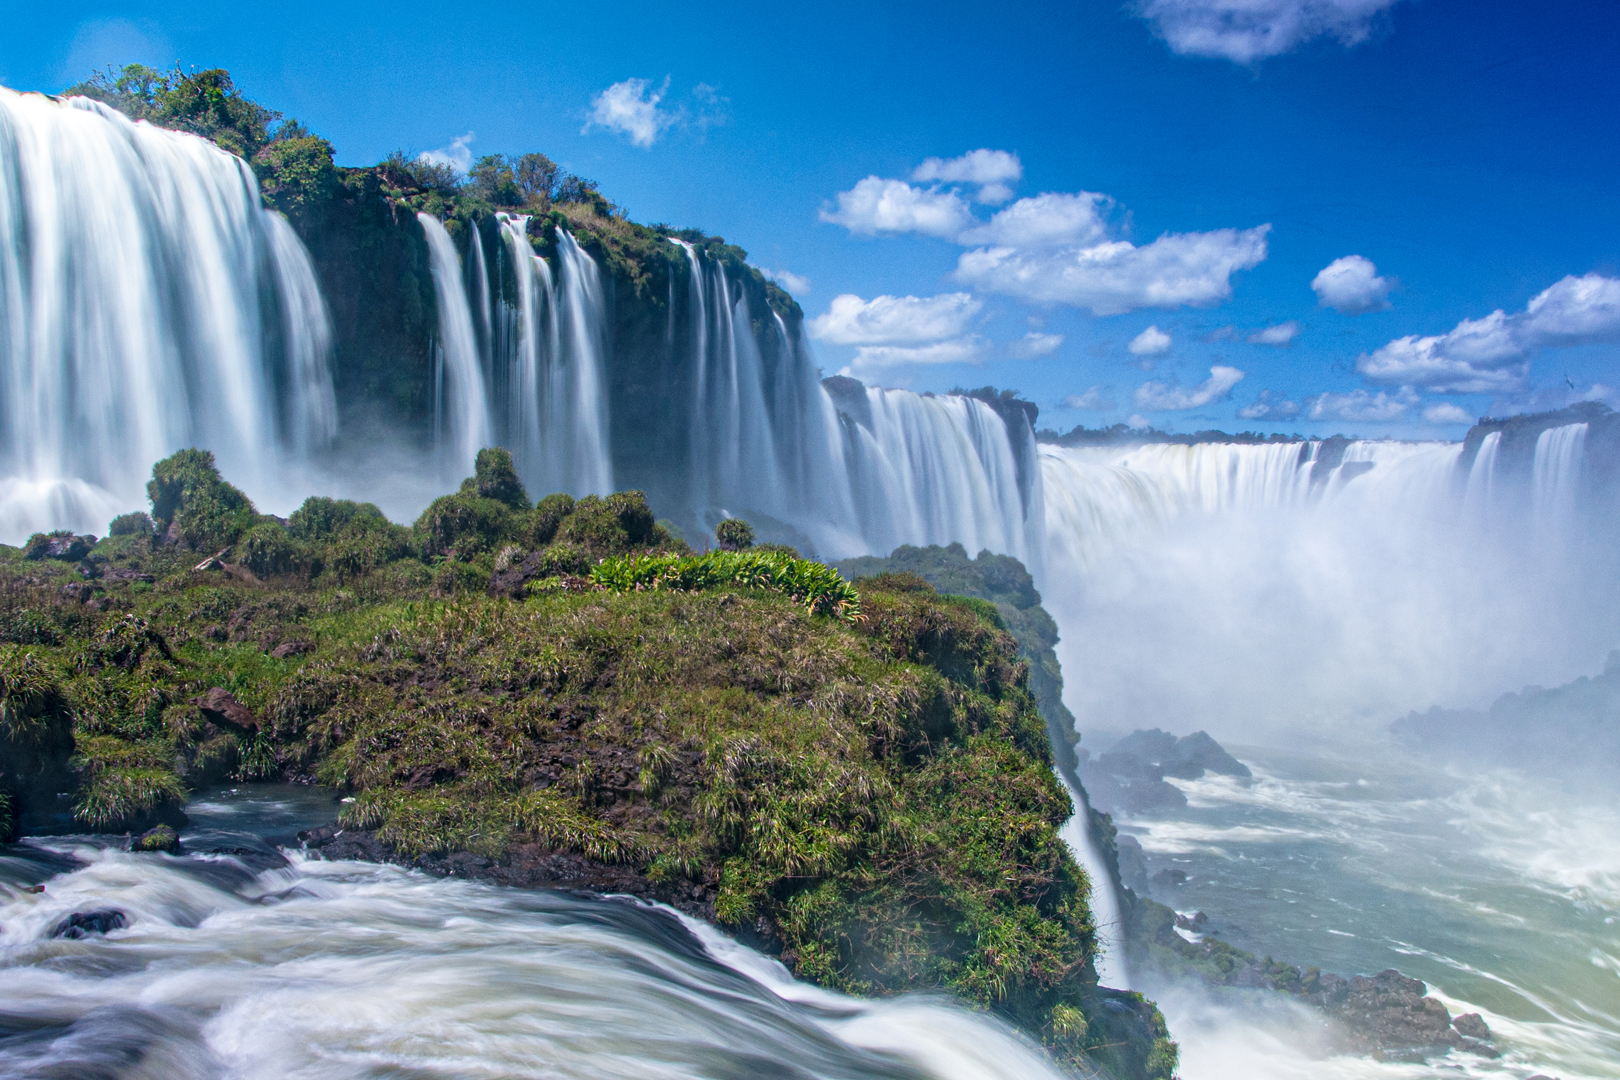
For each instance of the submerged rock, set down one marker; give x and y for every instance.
(81, 924)
(162, 838)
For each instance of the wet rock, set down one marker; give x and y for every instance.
(1471, 1026)
(1151, 745)
(81, 924)
(162, 838)
(1145, 796)
(219, 708)
(1169, 879)
(1195, 754)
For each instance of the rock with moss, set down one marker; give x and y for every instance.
(495, 477)
(734, 534)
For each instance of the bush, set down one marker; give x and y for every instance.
(186, 490)
(321, 518)
(136, 524)
(563, 559)
(267, 549)
(463, 523)
(815, 585)
(734, 534)
(544, 519)
(297, 174)
(60, 544)
(618, 524)
(496, 478)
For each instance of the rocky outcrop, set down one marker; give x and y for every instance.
(1130, 777)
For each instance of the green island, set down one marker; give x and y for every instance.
(856, 778)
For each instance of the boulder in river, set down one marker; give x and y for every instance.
(81, 924)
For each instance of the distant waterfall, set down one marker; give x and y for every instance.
(147, 302)
(1556, 471)
(466, 408)
(525, 369)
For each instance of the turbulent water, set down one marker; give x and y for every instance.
(251, 965)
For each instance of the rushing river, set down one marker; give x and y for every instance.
(254, 964)
(1500, 891)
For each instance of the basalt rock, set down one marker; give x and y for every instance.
(82, 924)
(218, 707)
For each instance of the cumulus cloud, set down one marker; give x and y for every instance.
(1114, 277)
(1150, 342)
(1276, 336)
(1036, 344)
(1447, 413)
(1360, 406)
(631, 109)
(992, 171)
(793, 283)
(1270, 405)
(1164, 396)
(876, 205)
(458, 155)
(1492, 354)
(1052, 219)
(894, 320)
(874, 358)
(1351, 285)
(1094, 399)
(1244, 31)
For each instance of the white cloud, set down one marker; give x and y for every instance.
(1351, 285)
(876, 205)
(1094, 399)
(1052, 219)
(993, 171)
(1036, 344)
(894, 320)
(1244, 31)
(1164, 396)
(1492, 354)
(968, 350)
(1277, 336)
(793, 283)
(1270, 405)
(1360, 406)
(1150, 342)
(631, 109)
(1137, 420)
(457, 155)
(1115, 277)
(1447, 413)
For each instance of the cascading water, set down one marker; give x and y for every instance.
(147, 302)
(1556, 471)
(578, 384)
(467, 426)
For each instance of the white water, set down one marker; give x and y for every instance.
(147, 302)
(1220, 587)
(468, 427)
(345, 970)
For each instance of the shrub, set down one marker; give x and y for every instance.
(463, 523)
(614, 525)
(365, 546)
(136, 524)
(544, 519)
(496, 478)
(268, 549)
(815, 585)
(321, 518)
(560, 559)
(186, 490)
(734, 534)
(60, 544)
(297, 174)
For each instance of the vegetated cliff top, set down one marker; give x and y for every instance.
(298, 177)
(559, 693)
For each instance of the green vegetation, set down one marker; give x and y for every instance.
(862, 781)
(734, 534)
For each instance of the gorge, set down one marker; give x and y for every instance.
(363, 333)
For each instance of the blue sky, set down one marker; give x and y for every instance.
(1185, 167)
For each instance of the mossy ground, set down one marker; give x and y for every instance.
(868, 788)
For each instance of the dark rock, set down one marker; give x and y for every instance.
(162, 838)
(221, 709)
(1129, 767)
(61, 546)
(1145, 796)
(1153, 745)
(1472, 1026)
(1169, 878)
(1133, 872)
(1195, 924)
(121, 574)
(290, 648)
(79, 591)
(1194, 754)
(89, 568)
(81, 924)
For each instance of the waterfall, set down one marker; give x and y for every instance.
(578, 382)
(148, 302)
(1481, 490)
(1556, 472)
(468, 409)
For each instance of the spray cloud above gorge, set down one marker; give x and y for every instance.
(1290, 594)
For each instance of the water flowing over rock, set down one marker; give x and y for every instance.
(148, 301)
